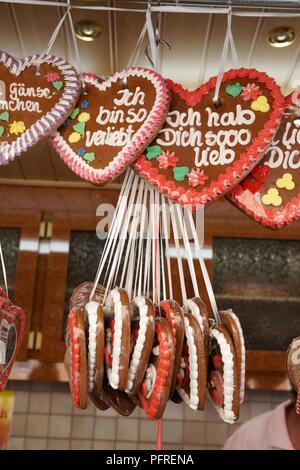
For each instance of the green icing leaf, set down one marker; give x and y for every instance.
(4, 116)
(74, 113)
(234, 90)
(80, 128)
(89, 156)
(180, 172)
(1, 131)
(153, 152)
(58, 85)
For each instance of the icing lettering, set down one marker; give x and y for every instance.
(287, 159)
(176, 134)
(17, 93)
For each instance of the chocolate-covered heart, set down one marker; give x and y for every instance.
(113, 122)
(218, 145)
(271, 192)
(36, 95)
(12, 326)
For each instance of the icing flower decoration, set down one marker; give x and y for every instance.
(286, 182)
(251, 92)
(85, 104)
(52, 77)
(84, 117)
(17, 127)
(272, 198)
(167, 159)
(197, 177)
(260, 104)
(81, 152)
(74, 137)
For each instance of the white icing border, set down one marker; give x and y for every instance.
(141, 304)
(243, 354)
(91, 309)
(226, 413)
(191, 307)
(191, 400)
(113, 303)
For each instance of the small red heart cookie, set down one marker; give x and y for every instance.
(142, 330)
(117, 341)
(192, 376)
(198, 309)
(75, 357)
(155, 390)
(223, 375)
(270, 194)
(171, 310)
(233, 325)
(293, 367)
(112, 123)
(204, 150)
(37, 94)
(12, 327)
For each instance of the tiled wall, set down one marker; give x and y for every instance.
(44, 419)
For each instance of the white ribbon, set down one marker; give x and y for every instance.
(228, 40)
(152, 41)
(3, 269)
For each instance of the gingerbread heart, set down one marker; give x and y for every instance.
(192, 377)
(113, 122)
(233, 326)
(12, 327)
(95, 333)
(75, 357)
(171, 310)
(155, 390)
(223, 375)
(293, 368)
(142, 335)
(32, 105)
(117, 339)
(204, 150)
(270, 194)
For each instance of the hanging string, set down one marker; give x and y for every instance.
(3, 270)
(135, 54)
(18, 29)
(152, 41)
(228, 40)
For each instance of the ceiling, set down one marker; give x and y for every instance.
(196, 41)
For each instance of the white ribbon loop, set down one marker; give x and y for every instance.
(228, 40)
(3, 270)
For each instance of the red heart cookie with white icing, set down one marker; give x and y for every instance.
(203, 150)
(142, 330)
(271, 192)
(113, 122)
(223, 375)
(36, 95)
(117, 340)
(192, 376)
(233, 325)
(12, 327)
(95, 333)
(171, 310)
(155, 390)
(198, 309)
(76, 357)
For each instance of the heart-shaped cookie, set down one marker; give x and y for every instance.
(12, 327)
(293, 368)
(113, 122)
(31, 104)
(203, 150)
(270, 194)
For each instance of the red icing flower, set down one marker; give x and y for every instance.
(250, 92)
(167, 159)
(197, 177)
(52, 77)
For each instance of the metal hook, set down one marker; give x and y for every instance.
(158, 41)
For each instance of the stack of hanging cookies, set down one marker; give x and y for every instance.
(122, 353)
